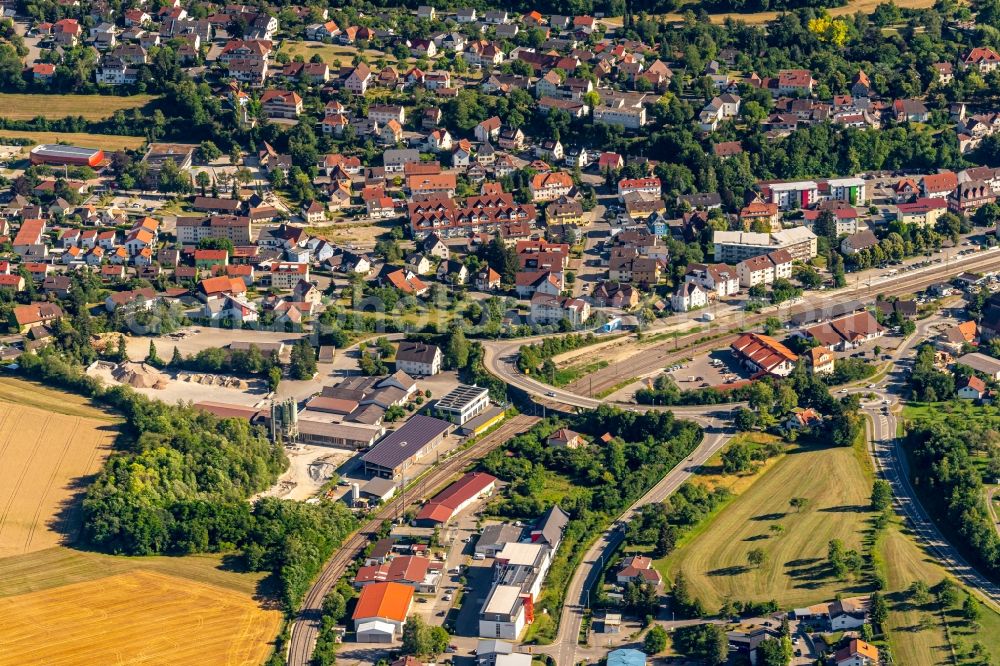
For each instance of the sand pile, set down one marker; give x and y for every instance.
(139, 375)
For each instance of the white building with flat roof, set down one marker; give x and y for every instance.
(463, 403)
(732, 247)
(503, 615)
(518, 573)
(798, 194)
(852, 190)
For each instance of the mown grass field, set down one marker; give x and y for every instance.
(47, 457)
(103, 141)
(332, 52)
(917, 634)
(758, 18)
(136, 617)
(714, 559)
(17, 106)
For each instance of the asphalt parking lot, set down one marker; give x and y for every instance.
(716, 369)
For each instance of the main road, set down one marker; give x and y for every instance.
(886, 451)
(305, 626)
(650, 357)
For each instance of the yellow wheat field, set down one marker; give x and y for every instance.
(140, 617)
(46, 461)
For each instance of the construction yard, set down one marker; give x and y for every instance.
(309, 468)
(48, 453)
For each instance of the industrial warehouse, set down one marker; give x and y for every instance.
(392, 456)
(59, 155)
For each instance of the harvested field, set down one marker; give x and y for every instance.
(104, 141)
(56, 567)
(21, 392)
(91, 107)
(47, 460)
(140, 617)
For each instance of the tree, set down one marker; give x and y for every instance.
(919, 593)
(880, 610)
(415, 638)
(641, 599)
(208, 151)
(798, 503)
(705, 642)
(176, 360)
(761, 400)
(151, 357)
(122, 351)
(273, 378)
(655, 641)
(971, 609)
(771, 325)
(837, 558)
(421, 640)
(371, 365)
(457, 351)
(203, 180)
(774, 652)
(756, 557)
(737, 458)
(334, 606)
(881, 495)
(947, 593)
(745, 419)
(303, 360)
(684, 604)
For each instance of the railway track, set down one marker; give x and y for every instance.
(665, 353)
(305, 627)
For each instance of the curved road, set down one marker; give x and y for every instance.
(890, 460)
(565, 647)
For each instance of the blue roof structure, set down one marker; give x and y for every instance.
(626, 657)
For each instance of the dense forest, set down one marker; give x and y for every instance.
(180, 480)
(949, 457)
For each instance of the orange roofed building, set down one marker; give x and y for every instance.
(381, 611)
(762, 353)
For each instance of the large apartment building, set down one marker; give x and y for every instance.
(234, 228)
(732, 247)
